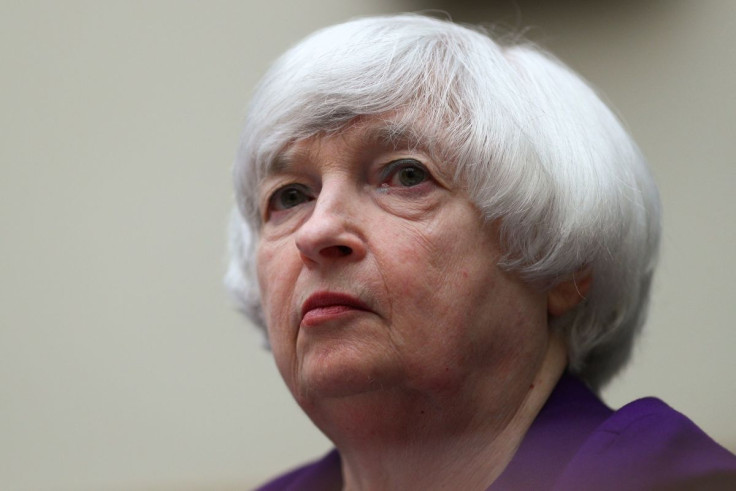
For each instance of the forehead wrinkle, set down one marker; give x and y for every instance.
(397, 135)
(286, 160)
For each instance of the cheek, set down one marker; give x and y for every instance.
(412, 268)
(276, 289)
(264, 260)
(274, 272)
(443, 258)
(434, 280)
(447, 283)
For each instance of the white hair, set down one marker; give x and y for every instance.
(533, 144)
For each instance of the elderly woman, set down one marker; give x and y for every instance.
(450, 244)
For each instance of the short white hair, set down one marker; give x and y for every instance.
(533, 144)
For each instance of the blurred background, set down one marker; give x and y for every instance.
(123, 365)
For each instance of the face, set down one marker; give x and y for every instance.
(377, 273)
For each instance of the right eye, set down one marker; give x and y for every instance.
(288, 196)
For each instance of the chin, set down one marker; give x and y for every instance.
(339, 373)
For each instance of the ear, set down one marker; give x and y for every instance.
(568, 293)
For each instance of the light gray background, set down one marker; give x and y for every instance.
(122, 363)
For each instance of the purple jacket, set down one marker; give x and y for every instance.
(578, 443)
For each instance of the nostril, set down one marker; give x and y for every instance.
(336, 251)
(344, 250)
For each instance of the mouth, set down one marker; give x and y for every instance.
(325, 306)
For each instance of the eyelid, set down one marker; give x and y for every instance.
(272, 195)
(391, 168)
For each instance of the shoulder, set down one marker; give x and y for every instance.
(323, 474)
(643, 445)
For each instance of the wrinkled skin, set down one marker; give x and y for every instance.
(432, 326)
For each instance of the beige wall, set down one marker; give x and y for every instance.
(122, 365)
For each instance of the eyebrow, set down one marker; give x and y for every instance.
(397, 135)
(394, 134)
(281, 163)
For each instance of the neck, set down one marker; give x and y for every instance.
(462, 440)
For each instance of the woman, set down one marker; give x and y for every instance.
(450, 244)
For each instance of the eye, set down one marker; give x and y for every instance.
(405, 172)
(288, 196)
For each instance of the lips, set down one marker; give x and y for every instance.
(325, 306)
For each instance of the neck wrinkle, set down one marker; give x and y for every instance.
(470, 459)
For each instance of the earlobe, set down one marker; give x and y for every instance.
(567, 294)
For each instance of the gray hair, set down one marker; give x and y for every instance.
(532, 143)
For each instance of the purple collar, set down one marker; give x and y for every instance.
(552, 441)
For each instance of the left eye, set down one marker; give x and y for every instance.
(406, 173)
(288, 197)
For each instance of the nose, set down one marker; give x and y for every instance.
(333, 231)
